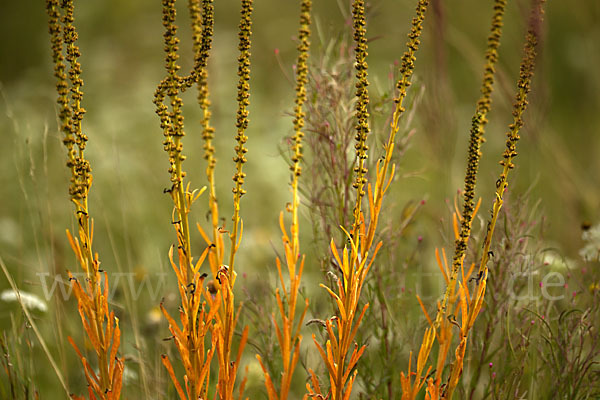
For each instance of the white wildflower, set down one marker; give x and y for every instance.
(129, 375)
(591, 250)
(30, 301)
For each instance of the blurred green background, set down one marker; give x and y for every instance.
(122, 61)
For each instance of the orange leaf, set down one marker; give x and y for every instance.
(203, 234)
(332, 338)
(117, 382)
(242, 344)
(201, 260)
(337, 300)
(424, 311)
(349, 386)
(392, 172)
(172, 324)
(169, 367)
(356, 354)
(360, 317)
(90, 332)
(329, 366)
(285, 238)
(176, 269)
(268, 382)
(115, 346)
(441, 266)
(336, 255)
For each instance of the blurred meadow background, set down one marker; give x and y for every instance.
(557, 170)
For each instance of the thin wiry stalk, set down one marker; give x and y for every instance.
(7, 363)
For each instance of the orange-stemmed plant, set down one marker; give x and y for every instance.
(340, 353)
(471, 305)
(441, 328)
(413, 382)
(211, 308)
(195, 318)
(468, 304)
(226, 321)
(100, 324)
(288, 331)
